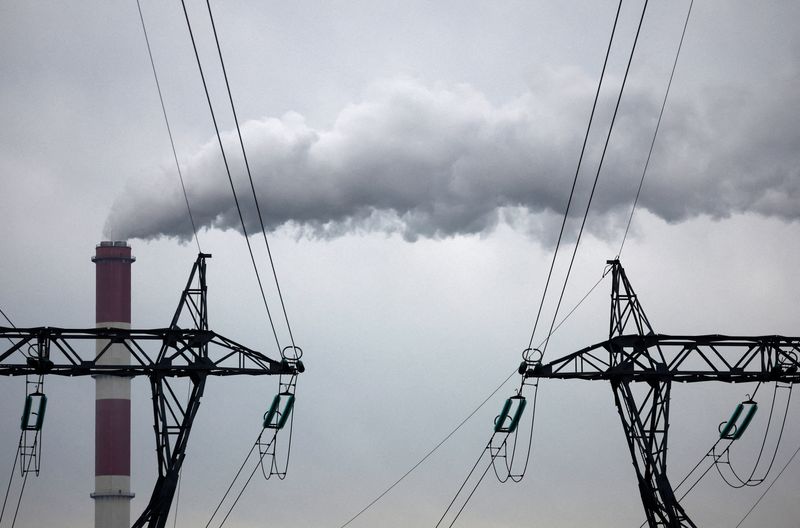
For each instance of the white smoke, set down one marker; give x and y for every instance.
(442, 160)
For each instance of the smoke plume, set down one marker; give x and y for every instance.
(442, 160)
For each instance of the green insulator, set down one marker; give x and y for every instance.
(273, 419)
(26, 413)
(287, 411)
(731, 423)
(751, 412)
(499, 426)
(33, 412)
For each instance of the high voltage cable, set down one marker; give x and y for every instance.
(577, 243)
(230, 178)
(746, 515)
(6, 318)
(577, 171)
(169, 128)
(10, 323)
(14, 466)
(252, 473)
(8, 489)
(246, 458)
(429, 453)
(750, 480)
(597, 175)
(462, 487)
(21, 491)
(658, 125)
(249, 174)
(236, 477)
(465, 420)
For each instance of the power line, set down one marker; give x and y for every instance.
(464, 421)
(230, 178)
(22, 491)
(10, 323)
(753, 507)
(6, 318)
(464, 484)
(429, 453)
(599, 168)
(246, 458)
(249, 478)
(169, 128)
(8, 489)
(577, 171)
(471, 493)
(658, 125)
(249, 174)
(577, 243)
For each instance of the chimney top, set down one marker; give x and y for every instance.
(113, 243)
(113, 250)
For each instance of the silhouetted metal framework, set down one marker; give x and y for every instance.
(657, 360)
(182, 353)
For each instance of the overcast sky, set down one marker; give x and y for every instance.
(412, 160)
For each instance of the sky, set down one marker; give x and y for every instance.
(413, 161)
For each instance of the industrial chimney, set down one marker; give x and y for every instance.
(112, 436)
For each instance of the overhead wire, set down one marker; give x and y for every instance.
(599, 169)
(495, 451)
(8, 488)
(230, 487)
(577, 172)
(658, 126)
(430, 452)
(21, 492)
(6, 318)
(510, 463)
(10, 323)
(461, 488)
(169, 128)
(180, 177)
(471, 493)
(464, 421)
(261, 456)
(14, 466)
(572, 260)
(241, 492)
(230, 178)
(558, 243)
(232, 186)
(750, 481)
(561, 231)
(778, 476)
(249, 173)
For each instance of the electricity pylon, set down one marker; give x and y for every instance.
(656, 360)
(182, 353)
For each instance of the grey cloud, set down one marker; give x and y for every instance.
(441, 160)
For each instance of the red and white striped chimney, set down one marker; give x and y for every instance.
(112, 435)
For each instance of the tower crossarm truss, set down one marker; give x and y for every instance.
(180, 353)
(659, 357)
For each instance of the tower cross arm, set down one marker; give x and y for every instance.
(180, 353)
(684, 358)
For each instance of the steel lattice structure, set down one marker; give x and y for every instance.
(658, 360)
(193, 353)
